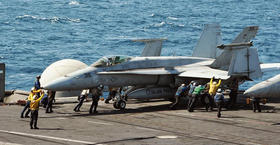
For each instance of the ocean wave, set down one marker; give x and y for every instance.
(159, 24)
(73, 3)
(52, 19)
(172, 18)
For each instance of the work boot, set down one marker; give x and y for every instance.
(21, 116)
(31, 127)
(36, 127)
(219, 115)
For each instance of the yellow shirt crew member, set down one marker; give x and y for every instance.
(34, 104)
(213, 87)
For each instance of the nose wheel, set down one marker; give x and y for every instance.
(119, 103)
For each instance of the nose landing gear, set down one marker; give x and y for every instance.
(120, 102)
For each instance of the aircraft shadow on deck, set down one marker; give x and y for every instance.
(163, 107)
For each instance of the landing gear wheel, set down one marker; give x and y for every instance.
(116, 106)
(121, 104)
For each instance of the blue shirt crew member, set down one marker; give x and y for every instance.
(37, 84)
(219, 99)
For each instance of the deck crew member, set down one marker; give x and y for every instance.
(212, 91)
(82, 97)
(96, 93)
(27, 105)
(51, 96)
(256, 104)
(219, 100)
(179, 93)
(37, 83)
(195, 95)
(34, 107)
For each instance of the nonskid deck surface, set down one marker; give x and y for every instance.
(141, 123)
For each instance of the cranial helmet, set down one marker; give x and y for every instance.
(100, 87)
(214, 83)
(219, 90)
(32, 89)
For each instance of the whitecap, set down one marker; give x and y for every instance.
(172, 18)
(26, 16)
(74, 3)
(160, 24)
(74, 20)
(55, 19)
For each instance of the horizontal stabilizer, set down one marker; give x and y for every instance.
(245, 62)
(246, 35)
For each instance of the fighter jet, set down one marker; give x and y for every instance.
(265, 89)
(237, 61)
(268, 88)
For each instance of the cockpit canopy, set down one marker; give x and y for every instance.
(110, 60)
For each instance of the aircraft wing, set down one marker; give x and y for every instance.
(268, 67)
(150, 71)
(203, 72)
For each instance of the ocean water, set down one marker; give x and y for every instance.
(36, 33)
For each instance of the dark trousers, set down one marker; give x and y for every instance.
(26, 107)
(232, 99)
(49, 105)
(79, 105)
(219, 107)
(192, 102)
(93, 104)
(206, 103)
(256, 105)
(33, 118)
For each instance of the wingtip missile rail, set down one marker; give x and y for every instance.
(235, 45)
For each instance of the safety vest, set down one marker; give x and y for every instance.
(213, 88)
(34, 104)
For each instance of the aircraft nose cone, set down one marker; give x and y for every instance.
(258, 90)
(253, 91)
(59, 84)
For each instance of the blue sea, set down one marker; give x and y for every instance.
(36, 33)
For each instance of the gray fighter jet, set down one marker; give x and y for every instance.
(236, 61)
(265, 89)
(268, 88)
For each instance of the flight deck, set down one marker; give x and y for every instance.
(141, 123)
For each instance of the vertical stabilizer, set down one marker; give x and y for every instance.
(246, 35)
(209, 39)
(152, 46)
